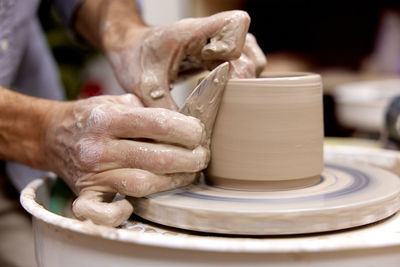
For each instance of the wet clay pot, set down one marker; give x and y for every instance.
(268, 132)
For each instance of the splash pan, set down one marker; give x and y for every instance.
(64, 241)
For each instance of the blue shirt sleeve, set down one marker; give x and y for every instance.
(66, 10)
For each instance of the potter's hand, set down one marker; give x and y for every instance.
(114, 144)
(146, 60)
(251, 62)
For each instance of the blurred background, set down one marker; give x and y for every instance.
(356, 49)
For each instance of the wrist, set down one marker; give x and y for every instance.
(120, 35)
(52, 115)
(108, 24)
(23, 123)
(120, 25)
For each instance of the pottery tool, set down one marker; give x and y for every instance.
(203, 102)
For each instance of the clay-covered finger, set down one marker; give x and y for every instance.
(99, 208)
(254, 53)
(154, 157)
(139, 183)
(242, 67)
(157, 124)
(227, 33)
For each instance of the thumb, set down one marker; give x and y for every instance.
(97, 207)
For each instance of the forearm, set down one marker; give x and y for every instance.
(22, 125)
(102, 22)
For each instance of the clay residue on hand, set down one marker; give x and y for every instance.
(225, 43)
(251, 62)
(157, 94)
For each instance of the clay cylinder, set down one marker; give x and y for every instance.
(268, 132)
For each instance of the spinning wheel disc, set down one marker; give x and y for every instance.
(344, 196)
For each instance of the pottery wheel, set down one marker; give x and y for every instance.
(344, 196)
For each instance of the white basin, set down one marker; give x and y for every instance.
(63, 241)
